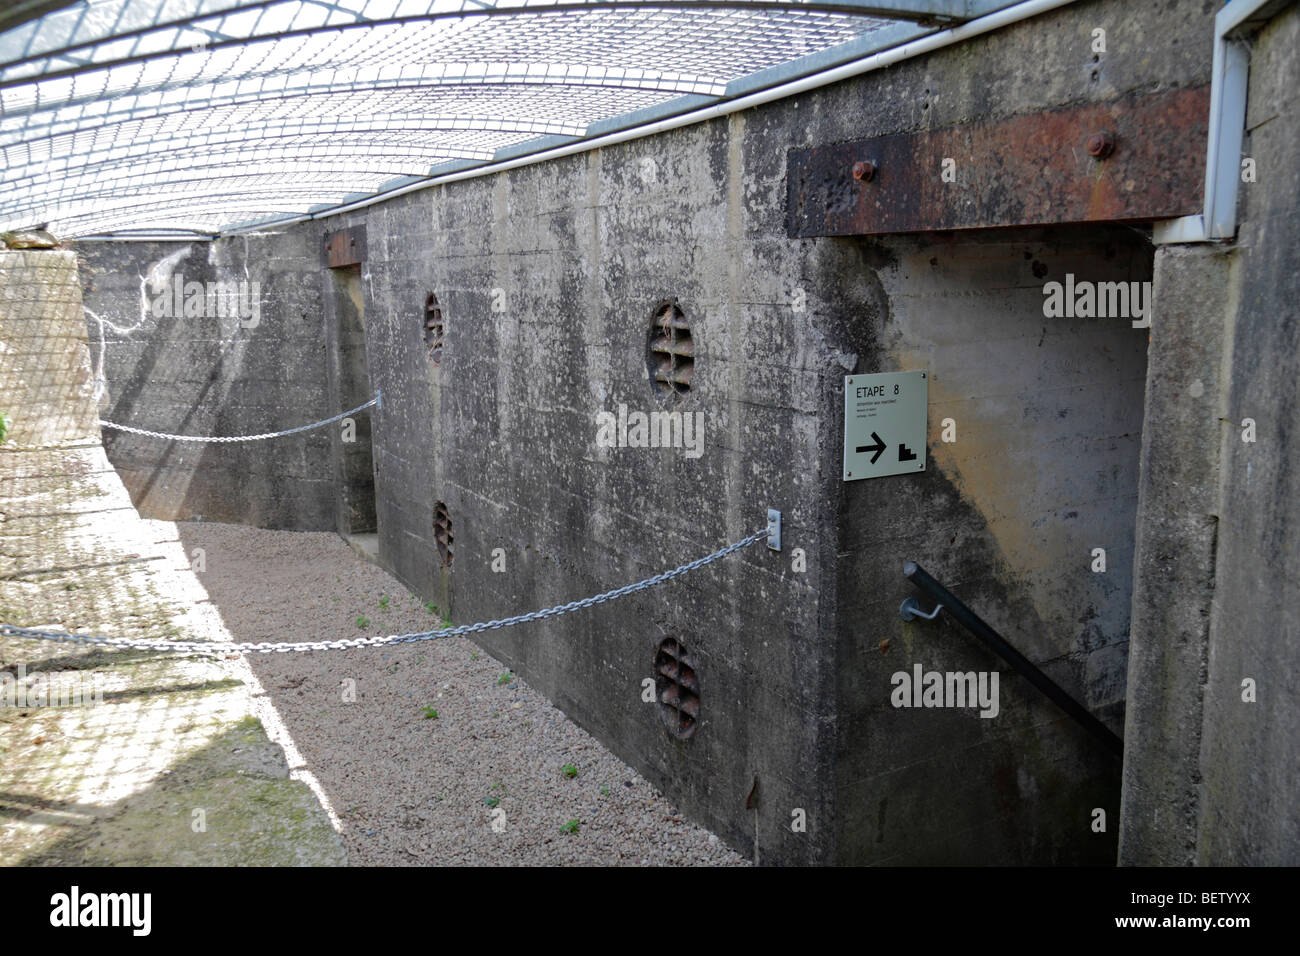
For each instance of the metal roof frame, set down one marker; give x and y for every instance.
(92, 93)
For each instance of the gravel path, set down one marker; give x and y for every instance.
(484, 781)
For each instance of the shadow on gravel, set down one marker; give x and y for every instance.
(430, 752)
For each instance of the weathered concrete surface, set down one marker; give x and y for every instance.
(1211, 777)
(1045, 417)
(105, 756)
(251, 363)
(1177, 528)
(520, 470)
(1250, 753)
(349, 386)
(44, 365)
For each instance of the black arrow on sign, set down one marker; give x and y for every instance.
(878, 448)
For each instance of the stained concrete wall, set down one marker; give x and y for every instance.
(548, 277)
(1045, 417)
(244, 366)
(348, 387)
(1044, 470)
(575, 257)
(1211, 776)
(44, 365)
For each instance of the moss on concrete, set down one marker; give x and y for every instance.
(119, 783)
(229, 804)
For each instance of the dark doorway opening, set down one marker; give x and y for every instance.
(349, 385)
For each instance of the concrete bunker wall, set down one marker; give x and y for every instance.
(44, 366)
(548, 278)
(1250, 757)
(252, 359)
(795, 689)
(1212, 760)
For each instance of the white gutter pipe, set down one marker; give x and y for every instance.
(1228, 89)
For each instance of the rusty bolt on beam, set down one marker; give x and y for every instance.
(864, 170)
(1101, 144)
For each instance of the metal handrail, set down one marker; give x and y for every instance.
(998, 644)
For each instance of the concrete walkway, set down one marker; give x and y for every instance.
(153, 758)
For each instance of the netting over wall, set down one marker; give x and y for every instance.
(207, 115)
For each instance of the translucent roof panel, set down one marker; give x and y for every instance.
(121, 116)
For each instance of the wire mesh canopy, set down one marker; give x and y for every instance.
(205, 116)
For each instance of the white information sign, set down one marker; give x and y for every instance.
(884, 424)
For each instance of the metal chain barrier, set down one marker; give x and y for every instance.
(267, 647)
(227, 438)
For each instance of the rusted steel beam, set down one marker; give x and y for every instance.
(346, 247)
(1141, 157)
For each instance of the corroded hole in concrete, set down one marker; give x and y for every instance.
(442, 535)
(678, 688)
(433, 328)
(671, 351)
